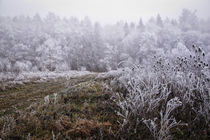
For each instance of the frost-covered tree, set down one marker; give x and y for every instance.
(159, 21)
(140, 25)
(188, 20)
(82, 44)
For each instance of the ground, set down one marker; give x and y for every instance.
(79, 111)
(80, 107)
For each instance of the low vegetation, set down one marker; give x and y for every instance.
(163, 99)
(79, 109)
(170, 96)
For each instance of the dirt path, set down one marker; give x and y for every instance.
(22, 96)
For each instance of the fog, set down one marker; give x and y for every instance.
(111, 69)
(105, 11)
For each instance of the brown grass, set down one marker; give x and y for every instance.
(80, 113)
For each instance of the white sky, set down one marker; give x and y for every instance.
(105, 11)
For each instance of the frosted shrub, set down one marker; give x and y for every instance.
(189, 79)
(55, 137)
(29, 136)
(55, 98)
(196, 79)
(156, 89)
(166, 121)
(47, 100)
(145, 95)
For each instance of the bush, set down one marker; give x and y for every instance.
(165, 87)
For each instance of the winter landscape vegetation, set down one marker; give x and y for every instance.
(73, 78)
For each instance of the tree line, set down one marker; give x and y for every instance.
(53, 43)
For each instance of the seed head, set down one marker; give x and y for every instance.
(199, 49)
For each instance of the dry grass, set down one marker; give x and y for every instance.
(21, 96)
(81, 111)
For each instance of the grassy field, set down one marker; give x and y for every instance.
(79, 111)
(83, 108)
(22, 96)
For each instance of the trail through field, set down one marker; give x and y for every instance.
(83, 108)
(21, 96)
